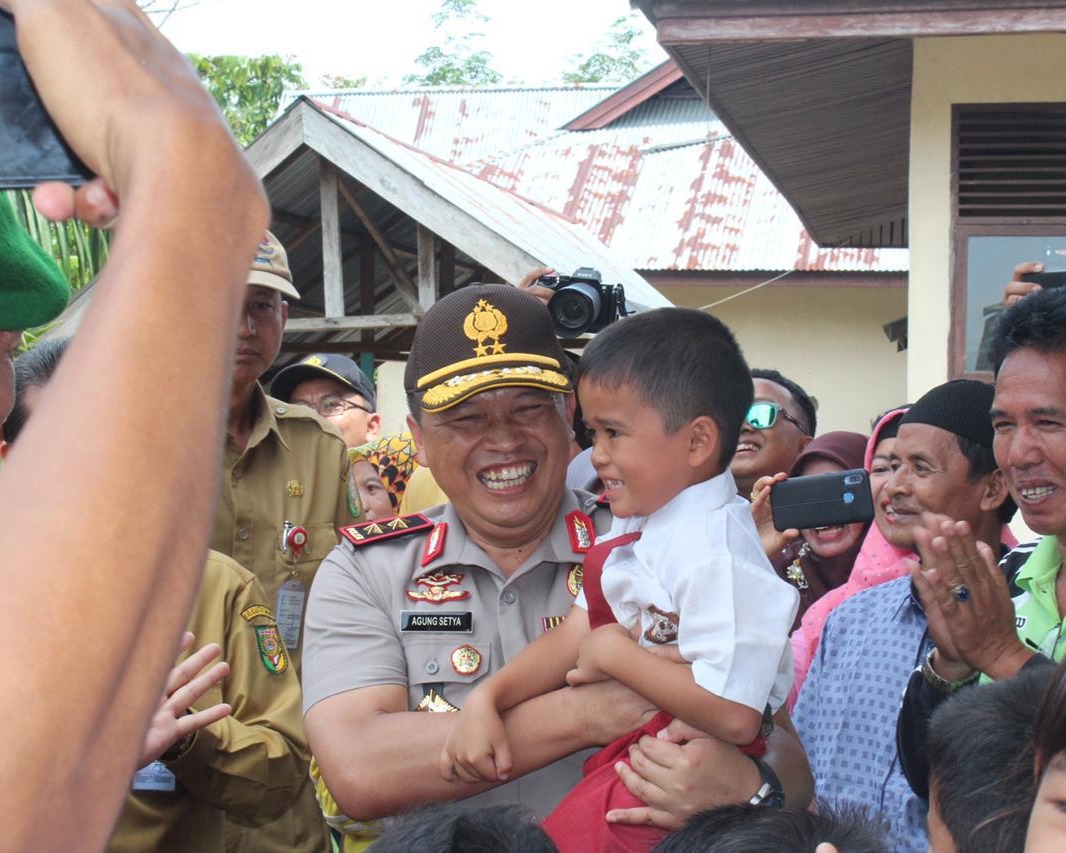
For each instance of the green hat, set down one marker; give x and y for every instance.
(33, 290)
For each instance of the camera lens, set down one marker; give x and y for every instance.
(574, 309)
(852, 479)
(849, 498)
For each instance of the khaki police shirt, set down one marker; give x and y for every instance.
(382, 613)
(294, 469)
(250, 765)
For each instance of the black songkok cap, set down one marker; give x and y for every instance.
(961, 407)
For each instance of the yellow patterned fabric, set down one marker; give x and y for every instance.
(394, 458)
(355, 836)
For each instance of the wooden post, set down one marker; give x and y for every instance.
(332, 268)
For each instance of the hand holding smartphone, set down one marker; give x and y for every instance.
(822, 500)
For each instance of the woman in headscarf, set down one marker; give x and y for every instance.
(822, 557)
(380, 470)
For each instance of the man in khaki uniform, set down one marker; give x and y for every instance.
(283, 495)
(247, 767)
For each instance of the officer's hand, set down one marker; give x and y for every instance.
(477, 749)
(186, 684)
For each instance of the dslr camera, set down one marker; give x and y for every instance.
(582, 302)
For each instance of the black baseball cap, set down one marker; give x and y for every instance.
(319, 366)
(480, 337)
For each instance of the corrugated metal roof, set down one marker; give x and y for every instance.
(462, 124)
(665, 186)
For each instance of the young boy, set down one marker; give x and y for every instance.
(664, 394)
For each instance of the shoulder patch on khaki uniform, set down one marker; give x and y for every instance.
(386, 528)
(271, 649)
(257, 610)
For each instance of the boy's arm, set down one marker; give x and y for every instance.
(609, 652)
(477, 747)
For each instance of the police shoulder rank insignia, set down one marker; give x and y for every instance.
(385, 528)
(435, 703)
(582, 533)
(435, 544)
(434, 587)
(466, 660)
(271, 649)
(574, 578)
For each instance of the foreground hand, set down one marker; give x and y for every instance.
(773, 540)
(596, 652)
(680, 773)
(971, 615)
(477, 748)
(1017, 289)
(186, 684)
(529, 284)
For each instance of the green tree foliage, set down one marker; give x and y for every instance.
(248, 88)
(618, 59)
(339, 81)
(458, 62)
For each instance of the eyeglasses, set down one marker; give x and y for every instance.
(330, 407)
(763, 415)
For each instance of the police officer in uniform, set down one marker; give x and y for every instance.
(283, 495)
(405, 616)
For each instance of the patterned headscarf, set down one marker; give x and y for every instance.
(393, 456)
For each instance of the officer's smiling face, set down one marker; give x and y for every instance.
(501, 458)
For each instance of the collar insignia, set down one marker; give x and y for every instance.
(582, 533)
(435, 544)
(294, 489)
(435, 588)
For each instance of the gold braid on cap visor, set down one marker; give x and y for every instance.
(458, 387)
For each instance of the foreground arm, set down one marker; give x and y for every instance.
(371, 727)
(163, 316)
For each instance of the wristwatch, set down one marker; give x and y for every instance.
(938, 682)
(770, 793)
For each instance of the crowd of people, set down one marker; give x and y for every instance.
(553, 613)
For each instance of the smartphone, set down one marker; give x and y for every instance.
(822, 500)
(31, 147)
(1050, 278)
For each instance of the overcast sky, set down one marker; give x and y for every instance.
(380, 40)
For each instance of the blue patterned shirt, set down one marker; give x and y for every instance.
(846, 713)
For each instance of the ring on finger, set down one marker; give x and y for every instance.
(960, 592)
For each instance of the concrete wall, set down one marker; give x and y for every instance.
(975, 69)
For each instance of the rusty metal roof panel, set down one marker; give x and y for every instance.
(462, 124)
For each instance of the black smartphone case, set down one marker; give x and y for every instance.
(31, 149)
(822, 500)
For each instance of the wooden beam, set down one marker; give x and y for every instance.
(401, 279)
(428, 284)
(332, 267)
(301, 325)
(367, 278)
(708, 29)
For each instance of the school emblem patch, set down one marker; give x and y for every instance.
(271, 649)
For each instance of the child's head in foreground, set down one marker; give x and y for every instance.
(664, 394)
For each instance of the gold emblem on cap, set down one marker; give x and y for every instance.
(294, 489)
(486, 322)
(466, 660)
(313, 361)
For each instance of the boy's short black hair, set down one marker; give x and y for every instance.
(461, 828)
(980, 750)
(1037, 320)
(683, 363)
(808, 412)
(754, 829)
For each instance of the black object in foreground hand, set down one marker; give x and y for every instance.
(31, 148)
